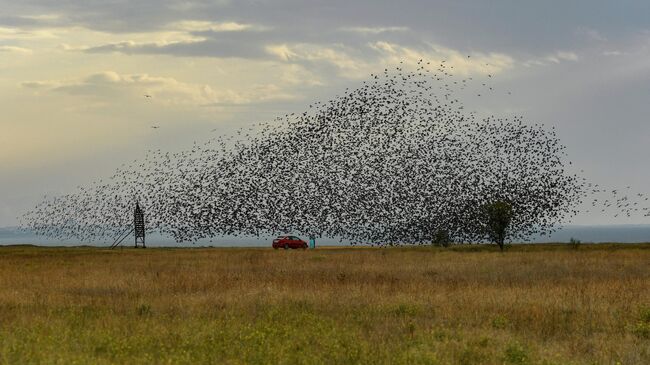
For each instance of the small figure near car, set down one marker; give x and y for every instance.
(288, 242)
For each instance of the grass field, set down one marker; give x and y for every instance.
(542, 304)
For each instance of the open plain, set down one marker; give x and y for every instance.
(533, 304)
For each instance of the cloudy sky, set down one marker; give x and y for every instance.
(73, 75)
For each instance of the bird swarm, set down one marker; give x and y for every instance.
(397, 160)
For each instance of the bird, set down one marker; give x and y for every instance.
(399, 159)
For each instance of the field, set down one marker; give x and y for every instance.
(534, 304)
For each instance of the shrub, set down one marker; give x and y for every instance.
(471, 355)
(642, 327)
(642, 330)
(500, 322)
(574, 243)
(144, 310)
(516, 353)
(644, 314)
(405, 310)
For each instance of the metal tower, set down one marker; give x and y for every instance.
(138, 225)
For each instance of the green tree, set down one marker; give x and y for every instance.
(441, 238)
(498, 216)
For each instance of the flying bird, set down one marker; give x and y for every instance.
(398, 160)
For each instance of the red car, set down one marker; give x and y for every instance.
(287, 242)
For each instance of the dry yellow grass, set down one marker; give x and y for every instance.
(533, 304)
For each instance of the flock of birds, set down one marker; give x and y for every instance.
(395, 161)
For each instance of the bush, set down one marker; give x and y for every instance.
(405, 310)
(500, 322)
(144, 310)
(472, 355)
(644, 314)
(574, 243)
(642, 327)
(642, 330)
(516, 354)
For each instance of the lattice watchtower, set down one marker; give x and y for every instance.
(138, 225)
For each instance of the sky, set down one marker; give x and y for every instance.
(74, 75)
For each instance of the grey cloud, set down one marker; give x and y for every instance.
(35, 84)
(207, 48)
(116, 16)
(374, 30)
(29, 22)
(499, 25)
(253, 43)
(14, 49)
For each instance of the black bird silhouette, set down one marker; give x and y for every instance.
(394, 161)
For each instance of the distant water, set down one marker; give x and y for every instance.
(625, 233)
(597, 234)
